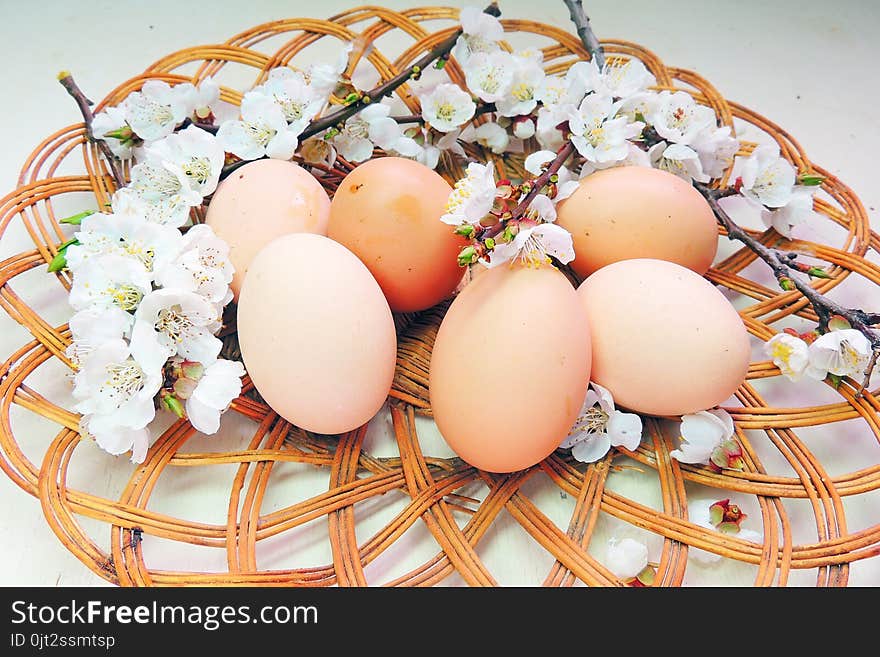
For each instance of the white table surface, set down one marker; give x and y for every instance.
(810, 65)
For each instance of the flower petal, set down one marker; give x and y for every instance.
(625, 430)
(592, 449)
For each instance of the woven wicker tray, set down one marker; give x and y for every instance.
(368, 497)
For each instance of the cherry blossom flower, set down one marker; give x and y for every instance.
(299, 101)
(324, 77)
(489, 135)
(521, 98)
(116, 440)
(600, 426)
(92, 327)
(845, 352)
(262, 131)
(157, 109)
(194, 157)
(524, 127)
(480, 33)
(204, 99)
(472, 197)
(547, 131)
(373, 127)
(201, 266)
(566, 183)
(703, 433)
(790, 354)
(170, 322)
(626, 557)
(154, 208)
(597, 137)
(115, 391)
(489, 75)
(216, 389)
(799, 210)
(447, 107)
(765, 177)
(99, 234)
(317, 150)
(618, 78)
(534, 243)
(110, 280)
(716, 148)
(678, 118)
(678, 159)
(705, 513)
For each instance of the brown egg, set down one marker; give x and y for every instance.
(387, 211)
(665, 340)
(638, 212)
(260, 201)
(510, 367)
(316, 334)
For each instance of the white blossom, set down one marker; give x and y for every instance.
(92, 327)
(170, 322)
(115, 390)
(521, 98)
(534, 244)
(155, 110)
(597, 137)
(845, 352)
(216, 389)
(618, 78)
(323, 77)
(601, 426)
(678, 159)
(547, 131)
(798, 210)
(299, 101)
(116, 440)
(110, 280)
(194, 157)
(317, 150)
(201, 266)
(126, 235)
(373, 126)
(790, 354)
(701, 434)
(490, 75)
(472, 197)
(447, 107)
(261, 131)
(765, 177)
(489, 135)
(112, 119)
(716, 148)
(480, 33)
(678, 118)
(626, 557)
(204, 98)
(154, 208)
(554, 90)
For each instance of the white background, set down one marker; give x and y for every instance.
(809, 65)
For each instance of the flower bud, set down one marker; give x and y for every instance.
(726, 517)
(467, 256)
(465, 230)
(173, 404)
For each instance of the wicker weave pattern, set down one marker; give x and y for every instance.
(457, 520)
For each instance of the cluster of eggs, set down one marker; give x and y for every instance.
(318, 280)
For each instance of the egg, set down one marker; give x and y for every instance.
(510, 367)
(260, 201)
(665, 340)
(638, 212)
(316, 334)
(387, 211)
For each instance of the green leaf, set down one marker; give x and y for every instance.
(835, 379)
(59, 262)
(76, 219)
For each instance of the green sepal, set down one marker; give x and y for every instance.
(490, 243)
(173, 404)
(811, 179)
(834, 380)
(59, 262)
(818, 272)
(76, 219)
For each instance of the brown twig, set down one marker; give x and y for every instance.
(85, 108)
(375, 94)
(781, 265)
(585, 31)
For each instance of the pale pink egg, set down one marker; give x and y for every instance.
(260, 201)
(638, 212)
(510, 367)
(317, 336)
(666, 341)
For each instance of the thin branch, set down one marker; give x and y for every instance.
(585, 31)
(85, 108)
